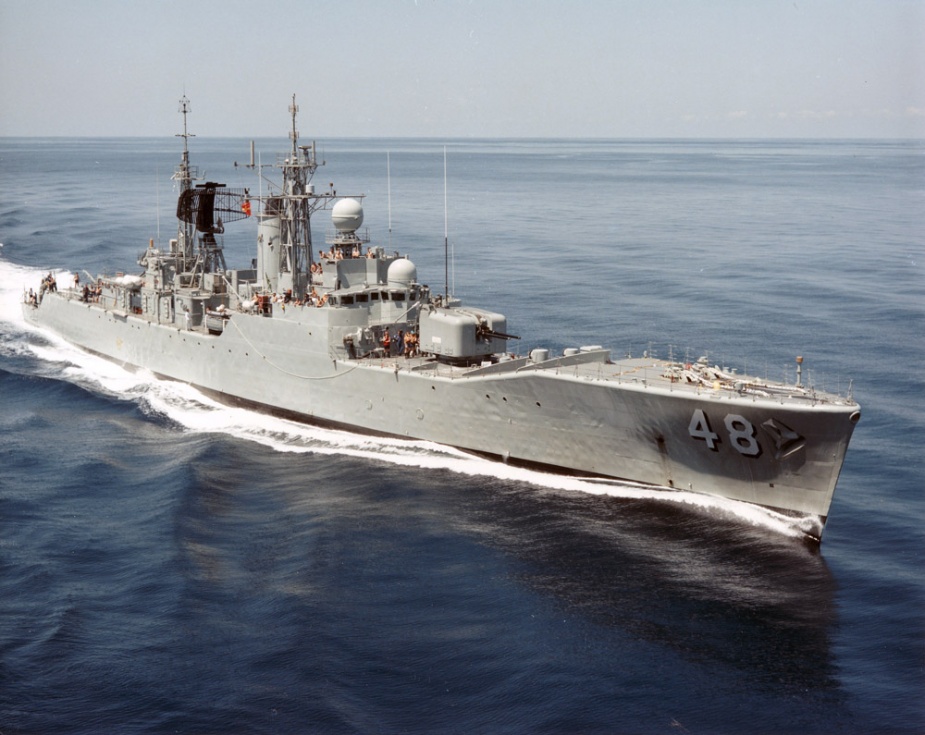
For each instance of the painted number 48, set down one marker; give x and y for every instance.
(740, 430)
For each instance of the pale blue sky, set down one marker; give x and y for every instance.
(467, 68)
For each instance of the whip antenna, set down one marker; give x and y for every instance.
(388, 179)
(446, 239)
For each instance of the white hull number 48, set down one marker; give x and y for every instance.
(739, 429)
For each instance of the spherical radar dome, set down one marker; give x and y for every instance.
(347, 215)
(402, 273)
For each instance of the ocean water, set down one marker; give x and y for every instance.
(168, 564)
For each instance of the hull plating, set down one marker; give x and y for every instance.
(777, 453)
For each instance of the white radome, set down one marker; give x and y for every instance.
(347, 215)
(402, 273)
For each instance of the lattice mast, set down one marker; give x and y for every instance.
(184, 175)
(298, 204)
(202, 209)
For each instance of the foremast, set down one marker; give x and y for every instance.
(184, 175)
(202, 212)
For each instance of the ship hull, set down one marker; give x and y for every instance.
(779, 454)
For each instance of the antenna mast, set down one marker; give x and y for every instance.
(184, 175)
(388, 179)
(294, 135)
(446, 239)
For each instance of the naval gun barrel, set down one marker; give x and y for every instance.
(484, 332)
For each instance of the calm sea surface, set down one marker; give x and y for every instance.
(168, 564)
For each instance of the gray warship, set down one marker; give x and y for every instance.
(347, 337)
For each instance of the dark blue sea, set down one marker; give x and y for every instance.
(170, 565)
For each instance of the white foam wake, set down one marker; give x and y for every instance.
(197, 413)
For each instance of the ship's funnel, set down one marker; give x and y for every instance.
(270, 252)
